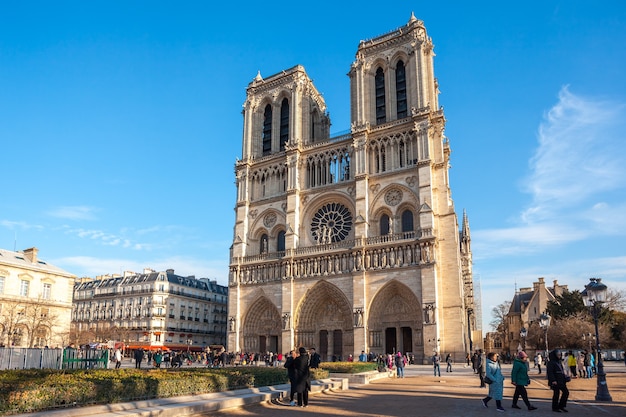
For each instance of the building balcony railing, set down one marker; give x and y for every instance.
(345, 244)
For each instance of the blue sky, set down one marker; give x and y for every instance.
(120, 123)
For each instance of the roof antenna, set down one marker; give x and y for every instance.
(15, 241)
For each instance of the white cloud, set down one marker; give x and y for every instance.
(579, 156)
(86, 266)
(13, 225)
(74, 212)
(577, 181)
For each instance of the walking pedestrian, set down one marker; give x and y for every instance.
(493, 375)
(138, 358)
(400, 364)
(557, 382)
(118, 358)
(582, 371)
(571, 363)
(519, 378)
(291, 373)
(539, 362)
(158, 358)
(436, 364)
(315, 358)
(301, 373)
(481, 366)
(448, 362)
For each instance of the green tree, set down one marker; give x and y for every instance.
(568, 304)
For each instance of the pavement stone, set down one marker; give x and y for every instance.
(419, 393)
(451, 395)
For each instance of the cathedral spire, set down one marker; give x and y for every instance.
(465, 231)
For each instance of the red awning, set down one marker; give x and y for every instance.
(146, 347)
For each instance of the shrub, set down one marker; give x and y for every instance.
(348, 367)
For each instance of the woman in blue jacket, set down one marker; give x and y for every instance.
(496, 387)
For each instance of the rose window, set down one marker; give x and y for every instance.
(331, 223)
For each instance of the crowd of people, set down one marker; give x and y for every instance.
(559, 371)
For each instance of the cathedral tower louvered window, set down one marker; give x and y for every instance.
(267, 130)
(401, 90)
(284, 123)
(379, 82)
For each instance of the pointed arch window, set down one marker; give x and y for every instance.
(401, 90)
(267, 130)
(264, 244)
(407, 221)
(284, 123)
(280, 241)
(384, 225)
(379, 83)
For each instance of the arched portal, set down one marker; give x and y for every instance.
(324, 321)
(395, 321)
(262, 327)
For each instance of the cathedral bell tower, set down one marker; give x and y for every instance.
(350, 243)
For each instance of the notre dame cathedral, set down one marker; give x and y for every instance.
(350, 243)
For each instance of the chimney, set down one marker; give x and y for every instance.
(31, 254)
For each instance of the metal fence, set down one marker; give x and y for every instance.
(31, 358)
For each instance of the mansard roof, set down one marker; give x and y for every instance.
(152, 276)
(21, 260)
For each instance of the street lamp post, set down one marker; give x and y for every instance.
(594, 295)
(544, 322)
(522, 334)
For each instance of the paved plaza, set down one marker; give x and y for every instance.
(418, 394)
(451, 395)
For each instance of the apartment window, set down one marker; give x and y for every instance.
(24, 287)
(47, 291)
(1, 284)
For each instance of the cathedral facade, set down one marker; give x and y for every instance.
(350, 243)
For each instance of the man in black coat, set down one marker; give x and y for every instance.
(557, 382)
(291, 373)
(301, 375)
(315, 359)
(138, 358)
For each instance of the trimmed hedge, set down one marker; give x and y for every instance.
(24, 391)
(349, 367)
